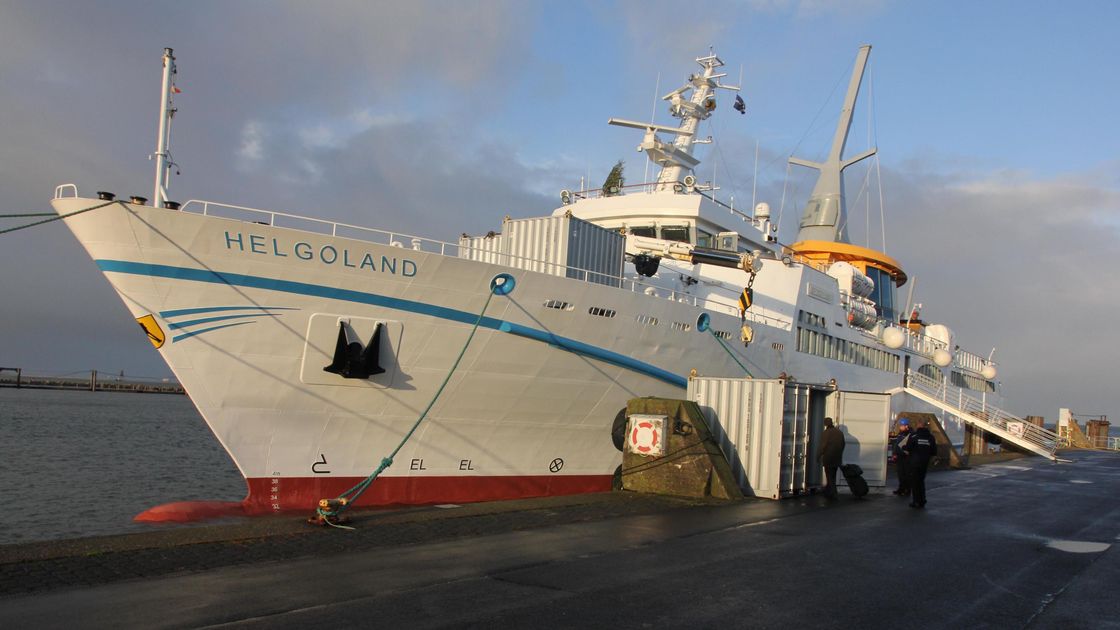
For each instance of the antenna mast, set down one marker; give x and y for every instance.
(675, 158)
(825, 218)
(166, 111)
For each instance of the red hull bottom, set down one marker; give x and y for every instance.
(271, 495)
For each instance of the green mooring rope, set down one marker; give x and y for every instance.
(53, 218)
(353, 493)
(729, 352)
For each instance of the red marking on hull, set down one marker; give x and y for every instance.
(187, 511)
(283, 494)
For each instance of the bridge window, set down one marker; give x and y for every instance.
(883, 295)
(643, 230)
(675, 233)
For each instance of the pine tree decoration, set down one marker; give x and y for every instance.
(614, 181)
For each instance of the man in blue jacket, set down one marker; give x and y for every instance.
(920, 449)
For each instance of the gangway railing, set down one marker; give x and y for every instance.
(980, 414)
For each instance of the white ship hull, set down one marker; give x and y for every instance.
(251, 313)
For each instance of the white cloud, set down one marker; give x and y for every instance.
(252, 141)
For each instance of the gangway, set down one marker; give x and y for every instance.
(981, 415)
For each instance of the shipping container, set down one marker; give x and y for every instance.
(559, 246)
(769, 431)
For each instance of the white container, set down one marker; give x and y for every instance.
(559, 246)
(764, 429)
(769, 430)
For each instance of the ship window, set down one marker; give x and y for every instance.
(646, 319)
(974, 383)
(675, 233)
(643, 230)
(703, 239)
(681, 326)
(823, 345)
(930, 371)
(601, 312)
(559, 305)
(721, 334)
(883, 295)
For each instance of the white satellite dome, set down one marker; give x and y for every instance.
(893, 338)
(942, 358)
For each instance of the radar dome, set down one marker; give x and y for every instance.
(893, 338)
(942, 358)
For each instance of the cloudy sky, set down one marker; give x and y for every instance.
(995, 121)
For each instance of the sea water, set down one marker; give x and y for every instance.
(76, 463)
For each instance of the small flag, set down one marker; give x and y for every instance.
(176, 90)
(740, 106)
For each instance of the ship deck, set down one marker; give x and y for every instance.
(1010, 544)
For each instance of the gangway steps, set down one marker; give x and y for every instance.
(984, 416)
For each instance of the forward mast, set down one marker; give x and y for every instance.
(675, 158)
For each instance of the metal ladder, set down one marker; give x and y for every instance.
(982, 415)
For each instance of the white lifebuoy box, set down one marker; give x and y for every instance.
(645, 434)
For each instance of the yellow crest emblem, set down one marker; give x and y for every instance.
(152, 329)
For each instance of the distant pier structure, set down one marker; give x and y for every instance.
(88, 381)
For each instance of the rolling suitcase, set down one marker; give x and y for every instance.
(853, 474)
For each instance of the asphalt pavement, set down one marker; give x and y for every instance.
(1019, 544)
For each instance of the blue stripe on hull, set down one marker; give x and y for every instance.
(372, 299)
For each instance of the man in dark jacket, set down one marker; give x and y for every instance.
(901, 459)
(921, 447)
(830, 453)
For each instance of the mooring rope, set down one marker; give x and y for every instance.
(53, 218)
(729, 352)
(502, 284)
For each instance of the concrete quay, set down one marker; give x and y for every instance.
(1014, 544)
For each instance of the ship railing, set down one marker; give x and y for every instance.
(596, 193)
(1104, 442)
(61, 190)
(398, 239)
(981, 413)
(321, 226)
(926, 346)
(970, 361)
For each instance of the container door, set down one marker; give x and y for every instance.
(795, 438)
(864, 420)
